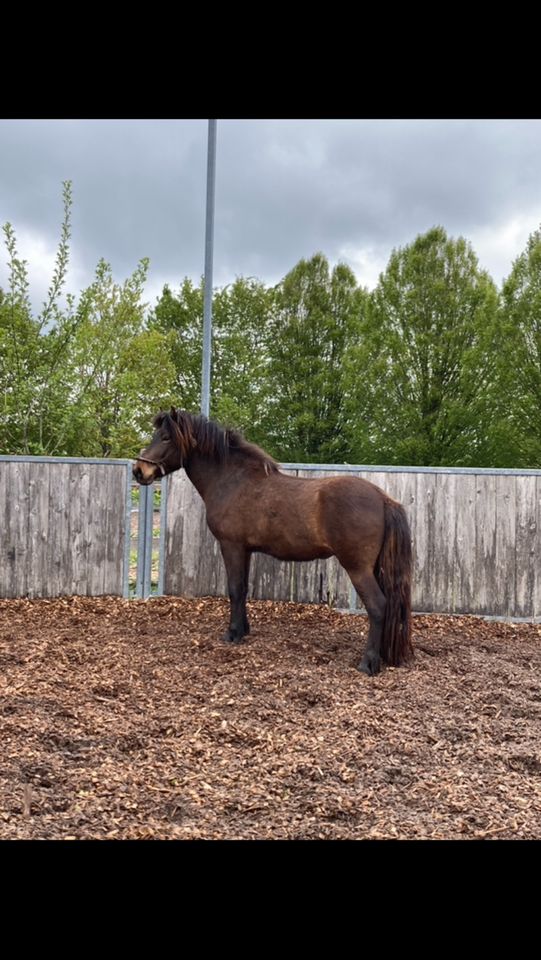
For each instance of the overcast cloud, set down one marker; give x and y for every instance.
(353, 189)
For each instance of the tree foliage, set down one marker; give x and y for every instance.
(241, 314)
(81, 378)
(431, 368)
(33, 350)
(121, 373)
(518, 384)
(417, 380)
(316, 317)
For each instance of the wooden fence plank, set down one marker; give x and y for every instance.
(528, 547)
(38, 530)
(503, 601)
(484, 559)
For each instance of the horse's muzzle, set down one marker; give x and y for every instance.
(138, 475)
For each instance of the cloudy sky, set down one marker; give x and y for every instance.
(353, 189)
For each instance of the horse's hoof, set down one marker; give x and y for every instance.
(231, 637)
(370, 665)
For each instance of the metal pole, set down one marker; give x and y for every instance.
(144, 542)
(209, 250)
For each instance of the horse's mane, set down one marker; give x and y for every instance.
(212, 440)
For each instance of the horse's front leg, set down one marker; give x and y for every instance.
(237, 566)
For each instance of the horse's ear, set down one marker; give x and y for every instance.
(173, 413)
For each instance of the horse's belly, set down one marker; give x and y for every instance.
(286, 552)
(304, 556)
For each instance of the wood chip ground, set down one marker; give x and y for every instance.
(131, 719)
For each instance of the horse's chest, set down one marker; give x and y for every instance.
(241, 522)
(224, 524)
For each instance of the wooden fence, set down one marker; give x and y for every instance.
(65, 530)
(476, 543)
(65, 526)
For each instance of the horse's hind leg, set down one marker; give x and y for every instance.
(373, 599)
(237, 565)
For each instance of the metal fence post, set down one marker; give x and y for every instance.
(164, 486)
(127, 543)
(144, 552)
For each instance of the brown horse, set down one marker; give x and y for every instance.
(253, 507)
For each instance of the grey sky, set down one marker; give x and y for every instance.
(353, 189)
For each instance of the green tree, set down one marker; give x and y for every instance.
(121, 373)
(317, 316)
(82, 378)
(180, 319)
(517, 400)
(241, 314)
(33, 350)
(418, 380)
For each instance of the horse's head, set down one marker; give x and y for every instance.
(169, 448)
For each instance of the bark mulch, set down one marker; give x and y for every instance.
(130, 719)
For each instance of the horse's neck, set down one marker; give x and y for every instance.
(203, 473)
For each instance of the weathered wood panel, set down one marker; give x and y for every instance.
(506, 553)
(193, 560)
(38, 529)
(419, 499)
(113, 486)
(528, 553)
(63, 528)
(58, 573)
(476, 545)
(536, 548)
(17, 527)
(443, 587)
(484, 560)
(81, 524)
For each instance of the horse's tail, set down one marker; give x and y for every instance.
(393, 573)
